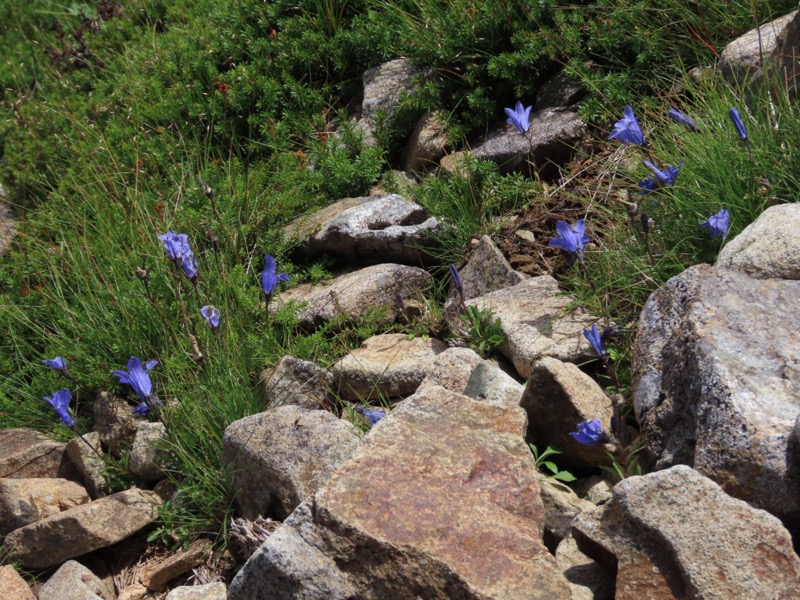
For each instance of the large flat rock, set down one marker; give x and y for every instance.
(441, 500)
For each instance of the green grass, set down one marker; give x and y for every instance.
(102, 157)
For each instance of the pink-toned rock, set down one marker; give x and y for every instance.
(79, 530)
(676, 534)
(25, 501)
(441, 500)
(179, 563)
(386, 365)
(451, 370)
(13, 586)
(115, 422)
(28, 454)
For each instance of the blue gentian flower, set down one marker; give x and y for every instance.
(60, 402)
(718, 223)
(681, 118)
(373, 416)
(457, 281)
(595, 339)
(176, 245)
(571, 238)
(269, 280)
(137, 377)
(737, 122)
(648, 186)
(627, 129)
(519, 117)
(189, 265)
(591, 433)
(666, 177)
(211, 315)
(57, 364)
(143, 408)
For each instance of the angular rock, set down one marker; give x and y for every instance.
(209, 591)
(769, 247)
(79, 530)
(785, 59)
(386, 365)
(451, 370)
(25, 501)
(587, 580)
(14, 587)
(147, 455)
(426, 145)
(595, 488)
(557, 397)
(276, 459)
(553, 135)
(491, 384)
(383, 229)
(73, 581)
(356, 295)
(369, 534)
(298, 382)
(134, 592)
(676, 534)
(85, 453)
(741, 60)
(716, 383)
(486, 271)
(384, 87)
(561, 90)
(28, 454)
(115, 422)
(561, 506)
(535, 323)
(179, 563)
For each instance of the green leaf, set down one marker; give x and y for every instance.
(564, 476)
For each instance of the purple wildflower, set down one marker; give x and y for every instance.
(60, 402)
(269, 280)
(137, 377)
(718, 223)
(681, 118)
(627, 129)
(176, 245)
(57, 364)
(457, 281)
(519, 117)
(590, 434)
(571, 237)
(211, 315)
(737, 122)
(666, 177)
(373, 416)
(143, 408)
(595, 339)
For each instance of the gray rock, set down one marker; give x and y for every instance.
(491, 384)
(28, 454)
(73, 581)
(85, 453)
(595, 488)
(676, 534)
(561, 506)
(742, 59)
(767, 248)
(115, 422)
(298, 382)
(426, 145)
(209, 591)
(587, 580)
(536, 323)
(557, 397)
(785, 59)
(384, 88)
(553, 135)
(79, 530)
(25, 501)
(357, 295)
(277, 459)
(486, 271)
(368, 230)
(451, 370)
(559, 91)
(386, 366)
(716, 383)
(369, 534)
(148, 455)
